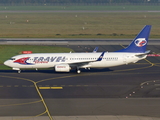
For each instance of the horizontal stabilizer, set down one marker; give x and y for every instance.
(141, 54)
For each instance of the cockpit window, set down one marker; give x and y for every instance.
(13, 59)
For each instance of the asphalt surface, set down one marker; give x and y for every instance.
(124, 90)
(67, 42)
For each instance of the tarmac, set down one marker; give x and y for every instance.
(118, 93)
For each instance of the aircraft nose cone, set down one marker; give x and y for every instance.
(6, 63)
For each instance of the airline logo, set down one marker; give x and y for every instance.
(48, 59)
(140, 42)
(38, 60)
(23, 61)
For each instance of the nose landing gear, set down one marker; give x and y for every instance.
(19, 71)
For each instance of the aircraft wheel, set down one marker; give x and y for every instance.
(19, 71)
(78, 71)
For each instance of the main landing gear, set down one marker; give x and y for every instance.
(78, 71)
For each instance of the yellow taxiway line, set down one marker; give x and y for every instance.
(39, 93)
(45, 88)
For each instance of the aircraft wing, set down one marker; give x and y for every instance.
(82, 63)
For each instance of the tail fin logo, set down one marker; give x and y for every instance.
(140, 42)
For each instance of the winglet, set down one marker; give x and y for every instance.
(95, 49)
(101, 56)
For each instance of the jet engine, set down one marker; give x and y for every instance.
(62, 68)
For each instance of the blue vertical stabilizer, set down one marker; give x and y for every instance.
(139, 44)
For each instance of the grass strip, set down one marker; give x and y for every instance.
(77, 25)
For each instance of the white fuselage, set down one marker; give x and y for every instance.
(80, 60)
(64, 62)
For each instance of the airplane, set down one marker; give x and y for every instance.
(95, 50)
(64, 62)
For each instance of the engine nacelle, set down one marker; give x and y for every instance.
(62, 68)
